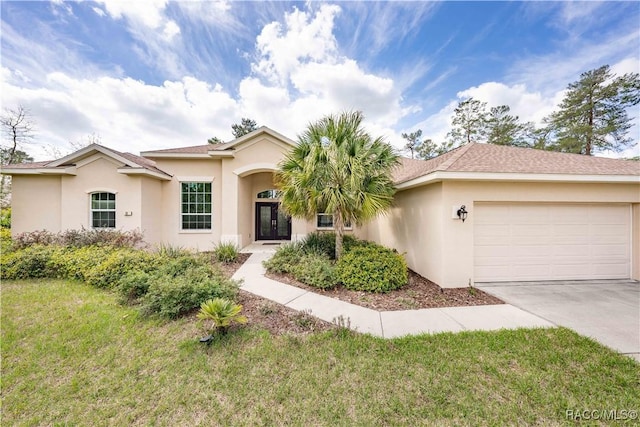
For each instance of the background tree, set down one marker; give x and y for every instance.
(469, 123)
(429, 149)
(413, 141)
(215, 140)
(592, 116)
(505, 129)
(246, 126)
(337, 168)
(17, 128)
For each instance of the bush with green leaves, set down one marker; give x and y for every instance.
(226, 252)
(372, 268)
(6, 243)
(117, 264)
(5, 218)
(30, 263)
(80, 238)
(78, 263)
(317, 270)
(325, 242)
(132, 286)
(174, 296)
(285, 259)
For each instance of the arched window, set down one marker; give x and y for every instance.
(269, 194)
(103, 210)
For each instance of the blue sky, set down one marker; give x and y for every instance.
(142, 75)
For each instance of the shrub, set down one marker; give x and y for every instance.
(372, 268)
(325, 242)
(78, 263)
(173, 296)
(119, 262)
(5, 218)
(285, 259)
(6, 243)
(133, 285)
(225, 252)
(32, 262)
(316, 270)
(80, 238)
(171, 251)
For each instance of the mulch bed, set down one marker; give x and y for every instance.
(418, 293)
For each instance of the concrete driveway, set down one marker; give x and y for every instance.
(606, 310)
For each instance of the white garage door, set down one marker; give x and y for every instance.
(519, 242)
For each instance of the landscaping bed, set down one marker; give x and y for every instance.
(418, 293)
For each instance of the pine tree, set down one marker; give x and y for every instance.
(505, 129)
(469, 122)
(593, 114)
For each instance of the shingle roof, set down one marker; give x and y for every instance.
(142, 162)
(194, 149)
(476, 157)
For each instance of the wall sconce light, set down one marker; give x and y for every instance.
(462, 213)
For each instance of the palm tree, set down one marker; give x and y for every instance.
(339, 169)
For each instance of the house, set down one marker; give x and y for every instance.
(475, 214)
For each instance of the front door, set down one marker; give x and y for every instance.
(271, 223)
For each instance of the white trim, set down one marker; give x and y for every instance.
(260, 130)
(522, 177)
(197, 180)
(145, 172)
(255, 168)
(101, 190)
(88, 149)
(114, 210)
(68, 170)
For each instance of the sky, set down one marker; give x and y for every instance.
(144, 75)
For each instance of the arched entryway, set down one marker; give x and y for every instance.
(271, 223)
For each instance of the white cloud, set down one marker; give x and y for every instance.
(99, 11)
(142, 15)
(302, 39)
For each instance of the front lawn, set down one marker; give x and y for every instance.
(71, 355)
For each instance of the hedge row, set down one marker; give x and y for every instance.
(168, 283)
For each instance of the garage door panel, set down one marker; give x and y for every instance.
(551, 241)
(573, 251)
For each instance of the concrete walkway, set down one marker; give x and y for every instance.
(387, 324)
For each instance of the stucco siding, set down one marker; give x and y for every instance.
(190, 170)
(151, 211)
(414, 227)
(35, 203)
(99, 174)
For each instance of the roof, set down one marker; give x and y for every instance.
(491, 158)
(198, 151)
(132, 162)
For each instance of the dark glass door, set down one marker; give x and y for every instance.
(271, 223)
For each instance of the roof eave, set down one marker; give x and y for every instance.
(67, 170)
(439, 176)
(144, 172)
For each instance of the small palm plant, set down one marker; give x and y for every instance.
(222, 312)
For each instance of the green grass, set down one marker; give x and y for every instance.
(72, 356)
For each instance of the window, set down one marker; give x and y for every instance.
(103, 210)
(325, 220)
(196, 205)
(269, 194)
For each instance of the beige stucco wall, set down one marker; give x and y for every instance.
(97, 174)
(191, 170)
(414, 227)
(442, 248)
(151, 222)
(35, 203)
